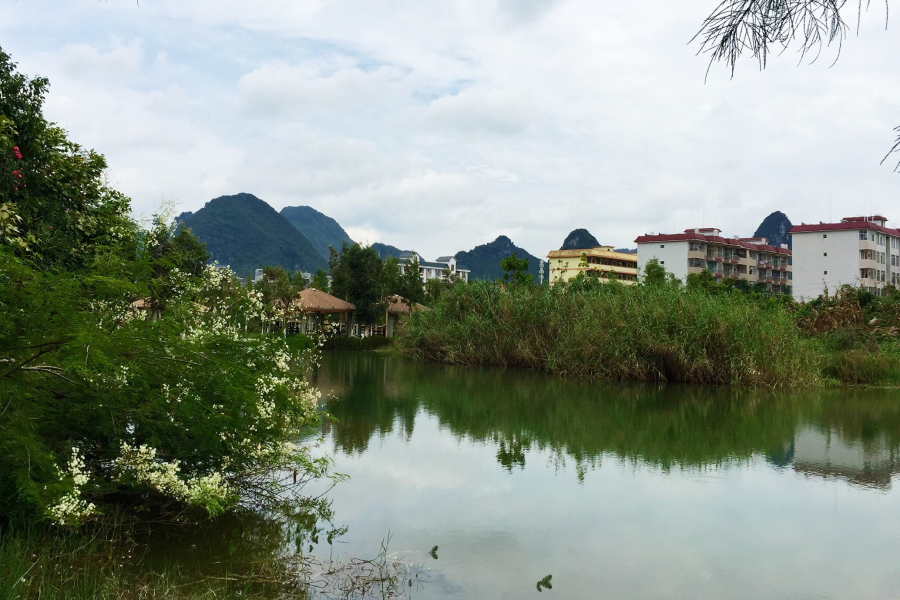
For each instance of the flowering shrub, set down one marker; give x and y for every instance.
(131, 372)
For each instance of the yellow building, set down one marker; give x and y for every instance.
(602, 262)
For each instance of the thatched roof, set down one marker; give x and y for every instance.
(312, 300)
(397, 305)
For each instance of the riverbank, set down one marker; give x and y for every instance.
(662, 333)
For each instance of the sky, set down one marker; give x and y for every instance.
(437, 126)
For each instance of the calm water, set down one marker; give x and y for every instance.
(616, 491)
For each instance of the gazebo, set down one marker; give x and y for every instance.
(310, 307)
(397, 306)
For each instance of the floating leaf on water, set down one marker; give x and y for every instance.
(433, 553)
(545, 583)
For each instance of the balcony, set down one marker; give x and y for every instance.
(719, 274)
(782, 267)
(719, 258)
(769, 280)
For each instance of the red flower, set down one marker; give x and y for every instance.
(17, 153)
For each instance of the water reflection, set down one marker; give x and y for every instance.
(852, 435)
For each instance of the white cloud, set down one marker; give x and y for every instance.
(437, 126)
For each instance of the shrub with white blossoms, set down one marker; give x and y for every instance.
(71, 508)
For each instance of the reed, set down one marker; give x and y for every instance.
(611, 331)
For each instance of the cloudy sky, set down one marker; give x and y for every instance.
(438, 126)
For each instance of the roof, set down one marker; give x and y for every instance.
(312, 300)
(397, 305)
(847, 225)
(434, 265)
(606, 251)
(444, 259)
(692, 236)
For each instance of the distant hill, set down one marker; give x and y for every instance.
(775, 227)
(321, 230)
(484, 261)
(580, 239)
(385, 250)
(626, 250)
(246, 233)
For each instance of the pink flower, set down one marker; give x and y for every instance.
(17, 153)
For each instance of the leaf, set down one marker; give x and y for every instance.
(433, 553)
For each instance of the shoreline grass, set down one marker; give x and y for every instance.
(656, 333)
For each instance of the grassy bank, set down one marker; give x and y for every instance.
(664, 333)
(115, 562)
(616, 332)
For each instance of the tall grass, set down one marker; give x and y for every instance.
(615, 332)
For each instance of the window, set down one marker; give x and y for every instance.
(824, 254)
(662, 262)
(662, 245)
(824, 235)
(826, 272)
(862, 235)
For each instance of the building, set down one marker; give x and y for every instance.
(443, 268)
(751, 259)
(858, 251)
(602, 262)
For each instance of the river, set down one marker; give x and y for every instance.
(617, 491)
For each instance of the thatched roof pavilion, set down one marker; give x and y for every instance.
(312, 300)
(397, 305)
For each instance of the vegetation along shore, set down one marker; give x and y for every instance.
(661, 330)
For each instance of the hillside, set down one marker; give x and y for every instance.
(775, 227)
(579, 239)
(321, 230)
(484, 260)
(246, 233)
(385, 250)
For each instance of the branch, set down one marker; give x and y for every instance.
(896, 148)
(50, 370)
(26, 361)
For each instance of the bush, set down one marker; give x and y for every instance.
(862, 367)
(612, 331)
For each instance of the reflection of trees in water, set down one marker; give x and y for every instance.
(672, 426)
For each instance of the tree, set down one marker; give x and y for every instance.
(654, 274)
(356, 277)
(275, 286)
(101, 405)
(434, 289)
(390, 277)
(411, 286)
(515, 270)
(763, 26)
(320, 281)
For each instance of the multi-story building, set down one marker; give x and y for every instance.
(751, 259)
(602, 261)
(858, 251)
(443, 268)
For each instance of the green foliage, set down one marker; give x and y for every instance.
(434, 289)
(596, 329)
(411, 286)
(245, 233)
(320, 281)
(654, 273)
(391, 281)
(356, 278)
(130, 372)
(276, 286)
(515, 270)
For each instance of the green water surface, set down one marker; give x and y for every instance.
(617, 491)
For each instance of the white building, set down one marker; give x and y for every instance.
(858, 251)
(751, 259)
(444, 267)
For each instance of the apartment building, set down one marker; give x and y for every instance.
(857, 251)
(443, 268)
(602, 261)
(751, 259)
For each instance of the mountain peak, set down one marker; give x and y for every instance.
(246, 233)
(579, 239)
(775, 228)
(484, 261)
